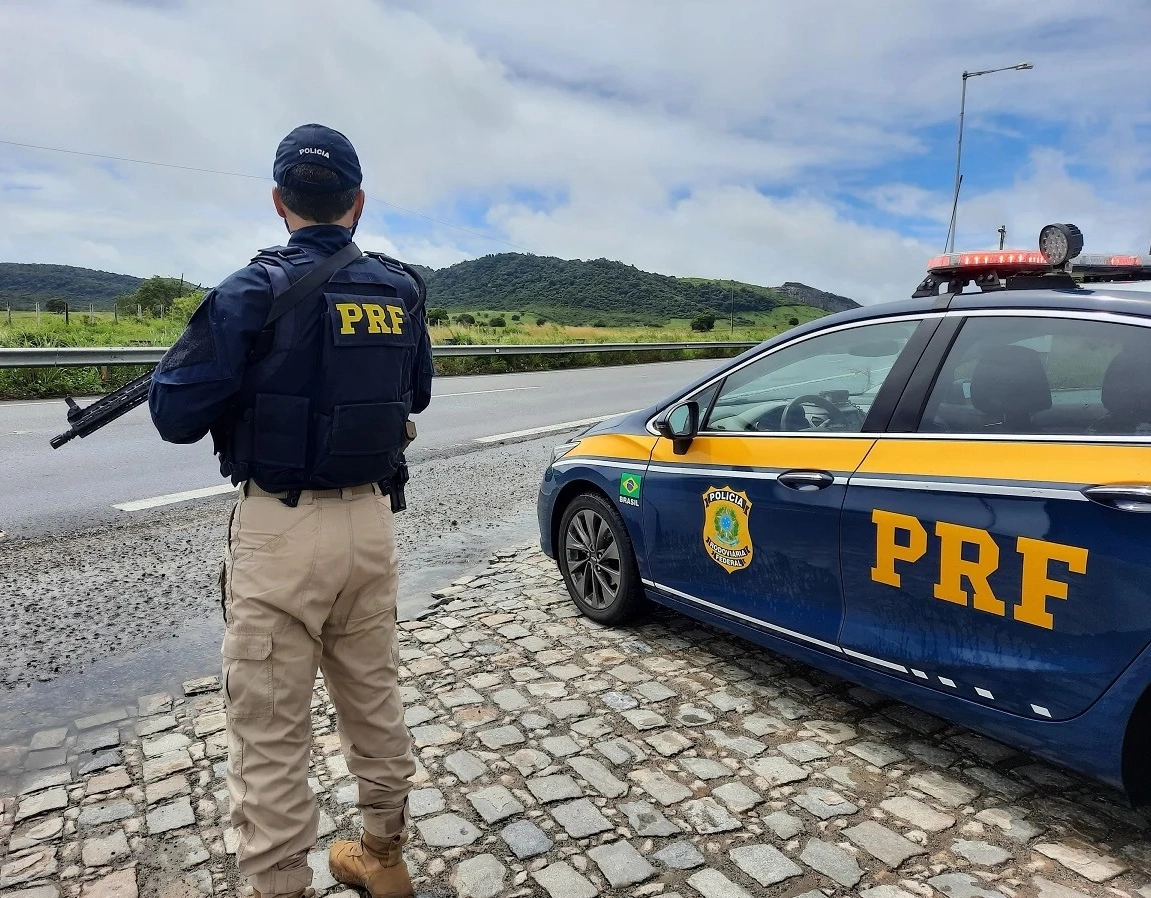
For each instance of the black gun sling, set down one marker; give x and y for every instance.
(312, 281)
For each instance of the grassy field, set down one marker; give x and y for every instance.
(101, 329)
(775, 319)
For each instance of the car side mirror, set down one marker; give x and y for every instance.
(680, 424)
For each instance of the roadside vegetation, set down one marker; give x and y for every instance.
(508, 298)
(155, 316)
(536, 299)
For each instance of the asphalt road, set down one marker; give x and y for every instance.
(51, 491)
(102, 605)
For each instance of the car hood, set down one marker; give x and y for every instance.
(631, 422)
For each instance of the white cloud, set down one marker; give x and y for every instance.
(1045, 192)
(715, 138)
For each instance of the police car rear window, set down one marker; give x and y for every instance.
(1044, 376)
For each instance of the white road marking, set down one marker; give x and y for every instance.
(482, 392)
(173, 498)
(550, 428)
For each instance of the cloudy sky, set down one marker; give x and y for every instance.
(761, 140)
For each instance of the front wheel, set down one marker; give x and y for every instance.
(597, 561)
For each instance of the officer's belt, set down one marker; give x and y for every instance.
(251, 488)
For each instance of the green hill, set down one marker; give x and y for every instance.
(575, 292)
(792, 292)
(23, 286)
(562, 290)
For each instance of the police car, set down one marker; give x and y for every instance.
(946, 499)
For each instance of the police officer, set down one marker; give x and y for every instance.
(305, 366)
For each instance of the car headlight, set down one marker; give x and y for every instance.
(560, 451)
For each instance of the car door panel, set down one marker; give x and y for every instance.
(979, 565)
(745, 519)
(793, 579)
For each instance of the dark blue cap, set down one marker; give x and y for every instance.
(317, 145)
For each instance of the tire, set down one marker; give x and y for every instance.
(598, 562)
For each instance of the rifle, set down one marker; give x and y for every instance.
(104, 410)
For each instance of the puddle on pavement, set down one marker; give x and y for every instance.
(195, 650)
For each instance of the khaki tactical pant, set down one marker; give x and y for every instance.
(310, 587)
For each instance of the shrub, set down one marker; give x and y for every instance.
(183, 307)
(466, 319)
(516, 317)
(498, 321)
(600, 323)
(702, 323)
(459, 338)
(540, 322)
(437, 316)
(793, 321)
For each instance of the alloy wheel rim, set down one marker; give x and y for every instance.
(593, 559)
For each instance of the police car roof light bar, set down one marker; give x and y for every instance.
(1062, 261)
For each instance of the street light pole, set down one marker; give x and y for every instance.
(949, 244)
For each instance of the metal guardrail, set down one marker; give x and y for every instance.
(571, 348)
(83, 356)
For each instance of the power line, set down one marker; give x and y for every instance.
(234, 174)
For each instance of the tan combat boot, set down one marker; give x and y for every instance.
(306, 893)
(373, 863)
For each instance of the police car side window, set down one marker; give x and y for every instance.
(1044, 376)
(824, 384)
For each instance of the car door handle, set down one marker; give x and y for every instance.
(1128, 497)
(806, 481)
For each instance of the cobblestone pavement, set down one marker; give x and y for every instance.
(559, 758)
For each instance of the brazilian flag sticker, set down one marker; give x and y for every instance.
(629, 489)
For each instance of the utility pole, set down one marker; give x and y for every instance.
(731, 287)
(67, 314)
(9, 313)
(1002, 235)
(37, 314)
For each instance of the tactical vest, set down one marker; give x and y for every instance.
(328, 388)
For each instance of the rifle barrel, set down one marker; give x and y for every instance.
(104, 410)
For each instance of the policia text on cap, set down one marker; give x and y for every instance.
(305, 366)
